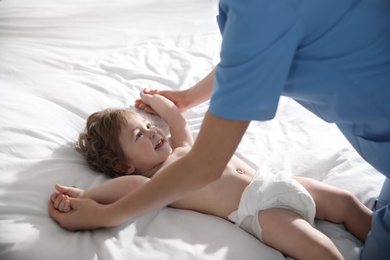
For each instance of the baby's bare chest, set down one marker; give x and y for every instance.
(222, 196)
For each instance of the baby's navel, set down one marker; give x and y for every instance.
(240, 171)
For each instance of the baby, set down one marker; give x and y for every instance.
(277, 209)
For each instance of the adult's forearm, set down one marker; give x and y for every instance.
(163, 189)
(201, 91)
(204, 163)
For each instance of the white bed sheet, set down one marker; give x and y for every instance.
(61, 60)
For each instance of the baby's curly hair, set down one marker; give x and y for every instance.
(99, 142)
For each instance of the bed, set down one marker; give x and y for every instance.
(61, 60)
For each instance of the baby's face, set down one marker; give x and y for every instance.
(144, 145)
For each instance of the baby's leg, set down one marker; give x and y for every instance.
(289, 233)
(339, 206)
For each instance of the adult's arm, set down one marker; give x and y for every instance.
(184, 99)
(200, 92)
(217, 140)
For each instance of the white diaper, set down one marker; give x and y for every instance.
(271, 190)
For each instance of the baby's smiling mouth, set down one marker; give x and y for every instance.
(160, 144)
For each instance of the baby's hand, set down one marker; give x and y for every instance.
(143, 102)
(146, 95)
(61, 200)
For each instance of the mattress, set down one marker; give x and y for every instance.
(62, 60)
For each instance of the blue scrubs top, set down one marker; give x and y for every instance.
(331, 56)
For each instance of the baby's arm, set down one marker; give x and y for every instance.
(180, 132)
(184, 99)
(105, 193)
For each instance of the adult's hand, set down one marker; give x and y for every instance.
(85, 214)
(178, 97)
(184, 99)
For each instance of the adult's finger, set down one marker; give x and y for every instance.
(54, 213)
(150, 110)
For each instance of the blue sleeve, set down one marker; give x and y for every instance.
(259, 41)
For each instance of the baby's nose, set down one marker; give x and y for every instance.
(152, 133)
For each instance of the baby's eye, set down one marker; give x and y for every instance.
(149, 125)
(138, 135)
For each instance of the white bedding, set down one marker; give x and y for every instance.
(61, 60)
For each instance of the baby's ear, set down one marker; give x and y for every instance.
(124, 168)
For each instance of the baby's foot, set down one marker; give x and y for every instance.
(61, 200)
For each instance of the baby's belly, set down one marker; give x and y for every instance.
(221, 197)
